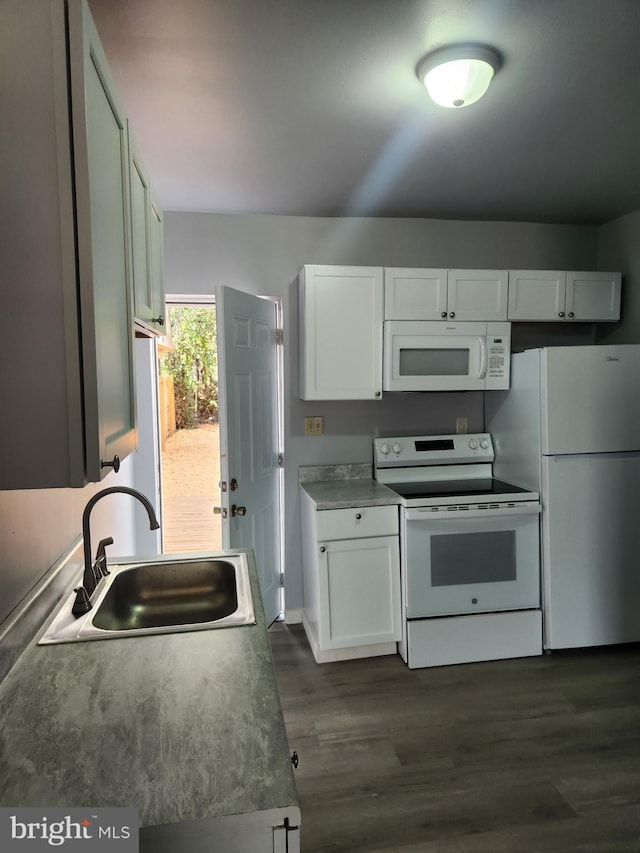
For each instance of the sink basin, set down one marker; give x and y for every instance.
(160, 596)
(154, 596)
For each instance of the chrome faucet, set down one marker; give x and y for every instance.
(95, 571)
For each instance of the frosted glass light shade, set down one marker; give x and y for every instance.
(457, 77)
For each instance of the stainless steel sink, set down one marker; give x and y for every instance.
(159, 596)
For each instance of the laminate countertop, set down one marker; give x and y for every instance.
(344, 486)
(184, 726)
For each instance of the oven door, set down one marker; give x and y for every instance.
(431, 356)
(470, 560)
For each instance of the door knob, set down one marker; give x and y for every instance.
(218, 510)
(238, 510)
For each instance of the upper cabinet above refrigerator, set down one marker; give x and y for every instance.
(557, 295)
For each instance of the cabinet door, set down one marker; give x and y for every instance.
(102, 198)
(359, 584)
(477, 294)
(340, 333)
(537, 295)
(140, 235)
(156, 233)
(593, 296)
(415, 294)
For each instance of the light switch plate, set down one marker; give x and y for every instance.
(462, 426)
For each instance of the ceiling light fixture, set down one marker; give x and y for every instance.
(458, 75)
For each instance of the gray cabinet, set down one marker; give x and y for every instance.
(146, 245)
(67, 341)
(156, 265)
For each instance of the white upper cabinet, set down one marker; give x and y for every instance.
(340, 332)
(593, 295)
(68, 334)
(415, 294)
(556, 295)
(477, 294)
(441, 294)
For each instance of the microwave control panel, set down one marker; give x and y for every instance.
(498, 356)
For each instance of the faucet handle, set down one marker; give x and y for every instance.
(100, 565)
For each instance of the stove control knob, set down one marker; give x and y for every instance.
(473, 444)
(484, 443)
(384, 449)
(397, 448)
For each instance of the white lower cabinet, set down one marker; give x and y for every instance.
(351, 565)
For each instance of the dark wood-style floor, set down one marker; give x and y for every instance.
(538, 754)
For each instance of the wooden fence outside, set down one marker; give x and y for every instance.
(167, 408)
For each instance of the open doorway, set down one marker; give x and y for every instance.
(189, 428)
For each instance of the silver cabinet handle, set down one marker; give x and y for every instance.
(561, 314)
(571, 314)
(452, 314)
(322, 549)
(358, 516)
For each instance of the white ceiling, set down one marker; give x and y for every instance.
(312, 107)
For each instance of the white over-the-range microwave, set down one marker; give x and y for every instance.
(423, 355)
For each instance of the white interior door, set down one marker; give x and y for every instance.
(249, 435)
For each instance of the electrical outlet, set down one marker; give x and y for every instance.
(462, 425)
(314, 425)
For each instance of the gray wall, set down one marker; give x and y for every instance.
(619, 249)
(39, 525)
(263, 254)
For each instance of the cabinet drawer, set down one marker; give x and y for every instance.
(357, 522)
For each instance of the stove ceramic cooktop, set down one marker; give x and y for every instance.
(481, 490)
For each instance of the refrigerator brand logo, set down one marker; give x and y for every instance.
(38, 829)
(613, 358)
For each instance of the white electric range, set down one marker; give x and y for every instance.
(469, 547)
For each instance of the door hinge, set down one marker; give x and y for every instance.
(280, 460)
(279, 337)
(282, 579)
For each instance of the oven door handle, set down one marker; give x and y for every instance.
(441, 514)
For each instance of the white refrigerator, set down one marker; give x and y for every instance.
(570, 427)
